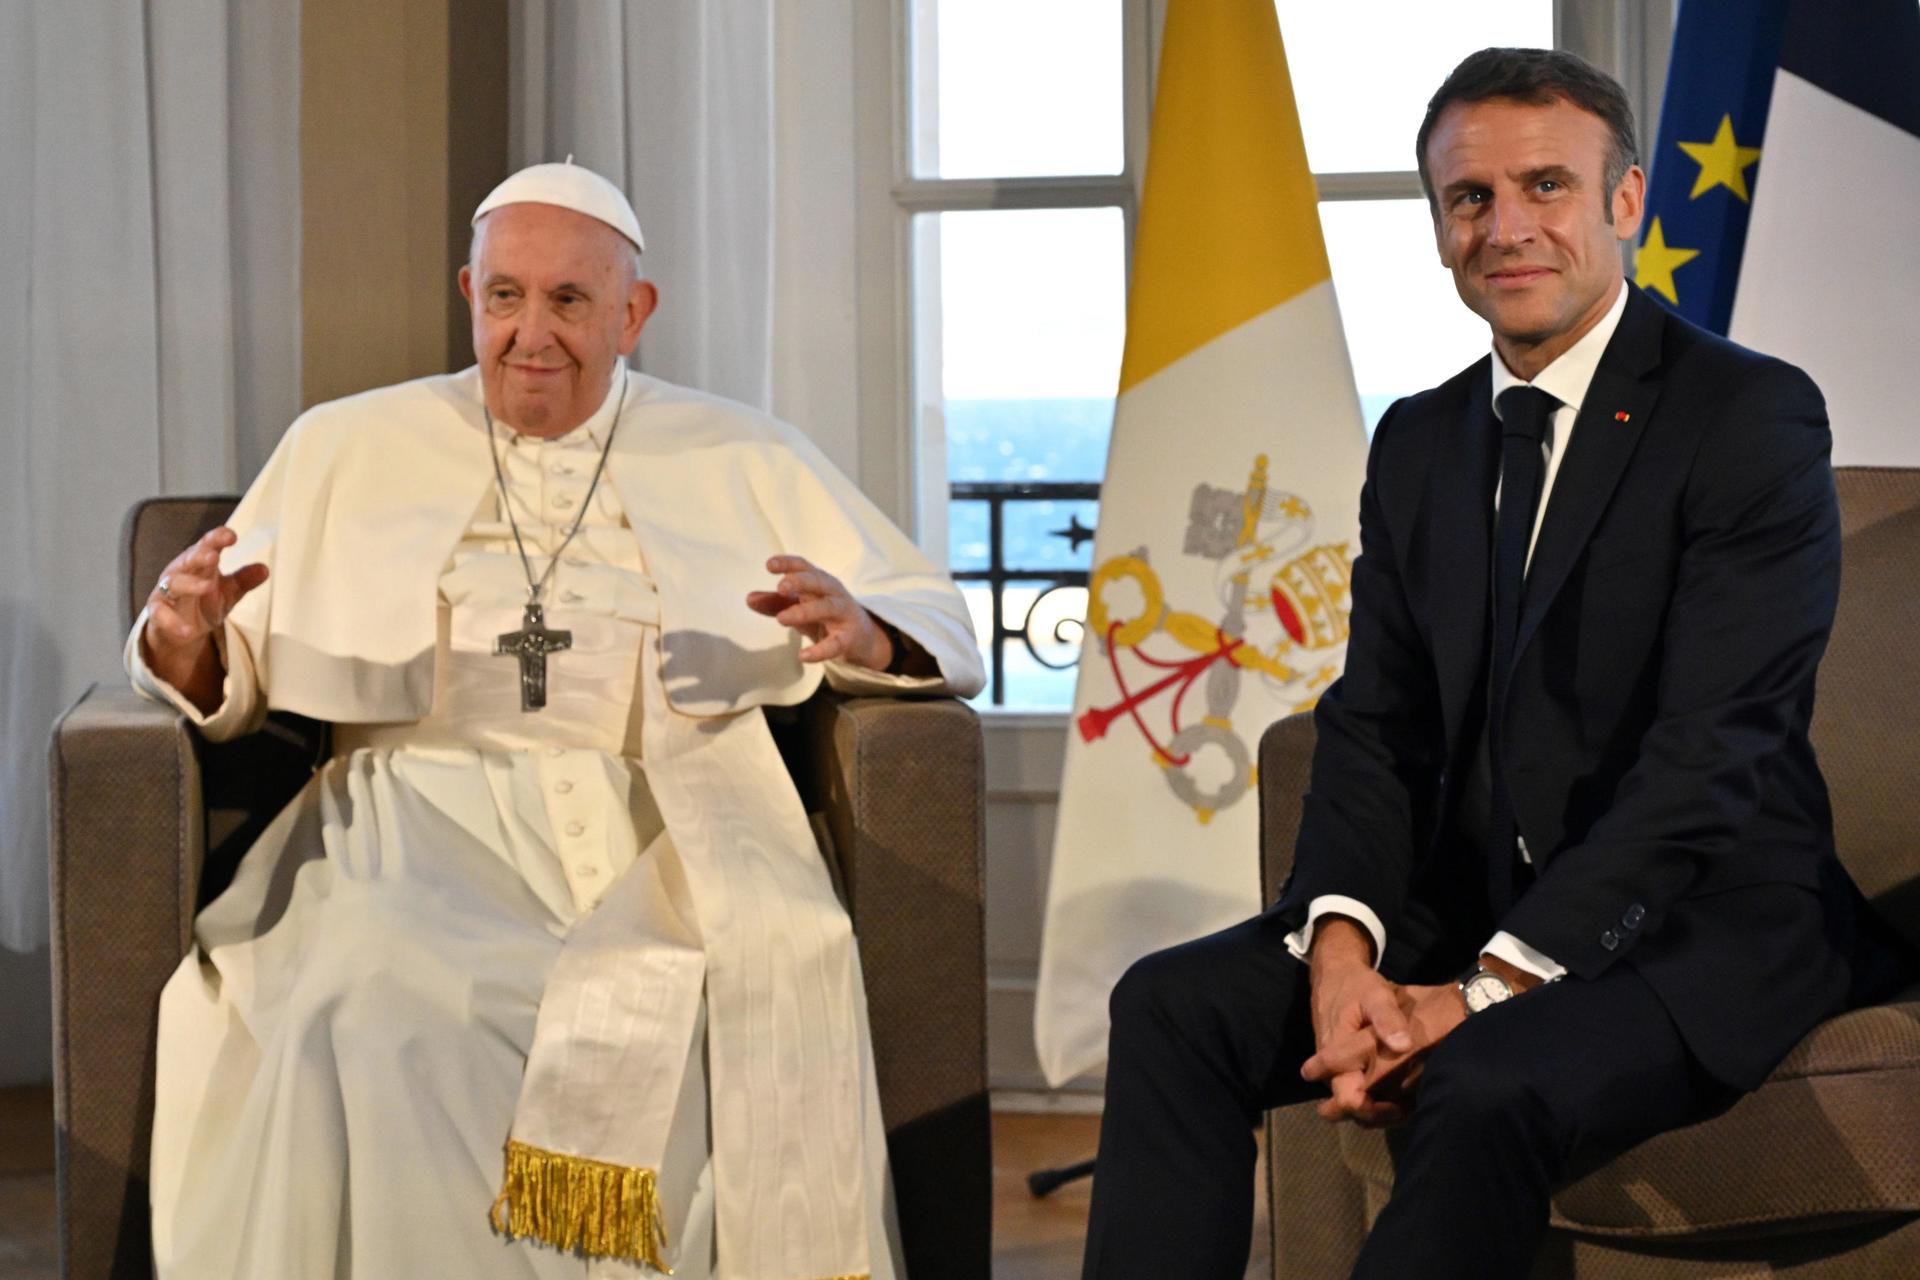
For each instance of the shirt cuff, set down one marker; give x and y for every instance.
(1504, 946)
(1300, 941)
(228, 720)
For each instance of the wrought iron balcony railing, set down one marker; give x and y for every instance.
(1032, 629)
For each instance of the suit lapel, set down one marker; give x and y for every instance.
(1459, 530)
(1614, 413)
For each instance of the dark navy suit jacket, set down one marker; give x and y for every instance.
(1677, 604)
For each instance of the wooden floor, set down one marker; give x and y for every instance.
(1033, 1239)
(1041, 1239)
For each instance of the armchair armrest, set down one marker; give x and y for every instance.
(127, 847)
(1286, 763)
(899, 785)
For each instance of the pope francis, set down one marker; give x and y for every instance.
(542, 974)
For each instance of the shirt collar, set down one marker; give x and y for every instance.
(594, 430)
(1571, 373)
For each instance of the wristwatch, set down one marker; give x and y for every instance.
(1482, 988)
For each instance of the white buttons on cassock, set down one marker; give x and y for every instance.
(563, 786)
(571, 597)
(586, 871)
(575, 828)
(561, 500)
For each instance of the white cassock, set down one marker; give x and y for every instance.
(622, 884)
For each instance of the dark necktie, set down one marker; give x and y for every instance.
(1526, 415)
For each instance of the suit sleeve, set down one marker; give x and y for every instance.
(1376, 753)
(1747, 623)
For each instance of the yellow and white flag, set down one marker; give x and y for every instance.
(1228, 520)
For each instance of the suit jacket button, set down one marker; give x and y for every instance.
(1635, 914)
(1609, 939)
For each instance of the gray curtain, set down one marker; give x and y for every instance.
(149, 327)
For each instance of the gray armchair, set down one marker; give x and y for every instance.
(149, 821)
(1817, 1173)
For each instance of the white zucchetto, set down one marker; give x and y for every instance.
(571, 187)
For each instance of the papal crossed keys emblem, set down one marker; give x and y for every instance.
(1279, 599)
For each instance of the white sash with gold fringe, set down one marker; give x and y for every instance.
(736, 900)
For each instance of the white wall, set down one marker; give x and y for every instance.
(1023, 758)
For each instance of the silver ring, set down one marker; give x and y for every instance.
(165, 594)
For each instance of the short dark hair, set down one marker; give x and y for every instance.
(1537, 77)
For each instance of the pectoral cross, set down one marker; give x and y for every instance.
(531, 644)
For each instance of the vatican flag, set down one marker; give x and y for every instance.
(1228, 521)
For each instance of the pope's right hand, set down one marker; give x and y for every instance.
(188, 604)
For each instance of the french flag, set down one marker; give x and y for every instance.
(1830, 279)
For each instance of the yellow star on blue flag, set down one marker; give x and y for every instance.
(1656, 261)
(1723, 162)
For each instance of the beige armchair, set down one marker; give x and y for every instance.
(1815, 1174)
(149, 821)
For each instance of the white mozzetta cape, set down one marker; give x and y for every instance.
(365, 498)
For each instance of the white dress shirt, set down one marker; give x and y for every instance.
(1566, 380)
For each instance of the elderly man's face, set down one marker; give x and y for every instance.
(1523, 221)
(555, 304)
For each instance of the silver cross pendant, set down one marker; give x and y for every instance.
(531, 644)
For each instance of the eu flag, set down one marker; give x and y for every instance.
(1705, 164)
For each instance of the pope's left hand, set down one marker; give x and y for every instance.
(816, 604)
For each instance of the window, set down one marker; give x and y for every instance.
(1023, 158)
(1018, 169)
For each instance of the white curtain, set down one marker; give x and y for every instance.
(149, 327)
(730, 126)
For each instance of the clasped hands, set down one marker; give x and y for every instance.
(1371, 1036)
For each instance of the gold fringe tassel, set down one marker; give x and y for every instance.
(570, 1202)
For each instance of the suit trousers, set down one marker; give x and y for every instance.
(1516, 1102)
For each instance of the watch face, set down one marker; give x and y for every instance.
(1484, 990)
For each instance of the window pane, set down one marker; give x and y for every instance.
(1051, 534)
(1039, 677)
(1042, 677)
(1019, 317)
(1361, 96)
(1023, 312)
(1013, 88)
(968, 546)
(1407, 329)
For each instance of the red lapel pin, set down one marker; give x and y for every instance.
(1622, 416)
